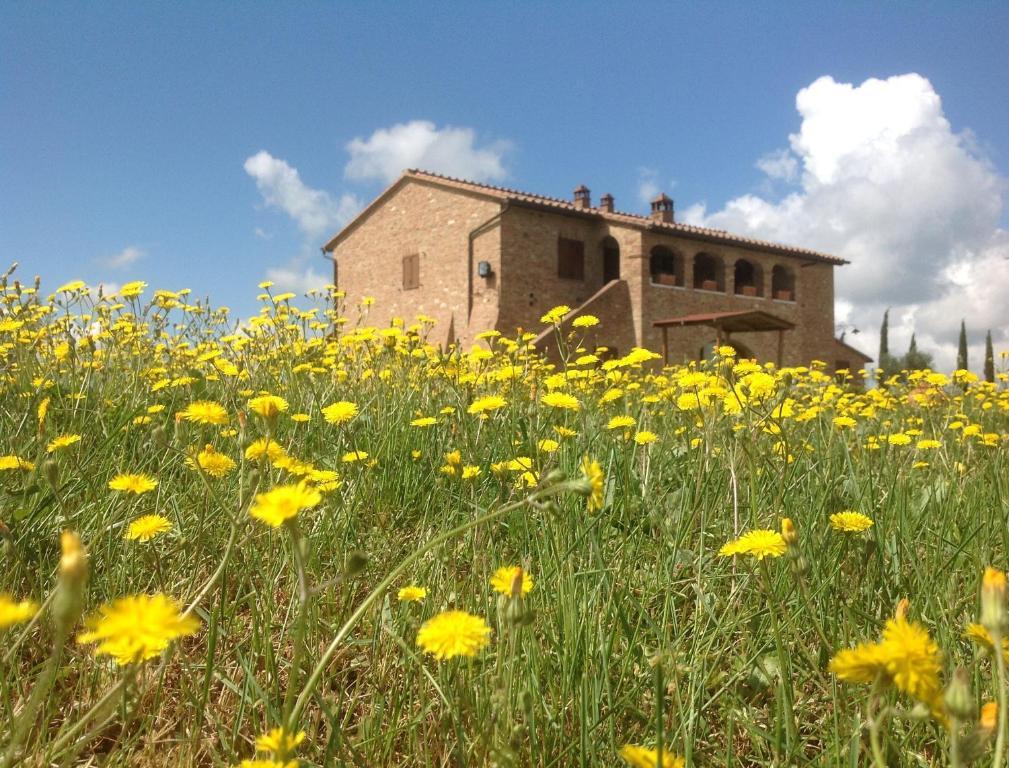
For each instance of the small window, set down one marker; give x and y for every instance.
(570, 259)
(411, 272)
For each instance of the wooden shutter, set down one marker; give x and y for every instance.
(411, 272)
(570, 259)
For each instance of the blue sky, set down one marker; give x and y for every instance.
(129, 125)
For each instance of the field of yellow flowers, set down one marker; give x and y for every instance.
(307, 541)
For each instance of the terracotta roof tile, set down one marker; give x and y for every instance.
(567, 206)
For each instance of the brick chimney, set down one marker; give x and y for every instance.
(583, 198)
(606, 203)
(662, 209)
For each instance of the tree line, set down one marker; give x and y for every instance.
(915, 359)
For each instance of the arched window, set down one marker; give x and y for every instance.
(783, 283)
(610, 249)
(748, 278)
(709, 272)
(666, 266)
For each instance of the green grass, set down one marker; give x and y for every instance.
(636, 631)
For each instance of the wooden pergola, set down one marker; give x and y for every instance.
(727, 323)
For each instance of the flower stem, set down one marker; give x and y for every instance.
(996, 639)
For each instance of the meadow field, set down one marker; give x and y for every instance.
(308, 541)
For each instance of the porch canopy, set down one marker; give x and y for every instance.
(727, 323)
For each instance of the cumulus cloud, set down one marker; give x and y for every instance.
(879, 176)
(316, 212)
(124, 258)
(452, 151)
(298, 278)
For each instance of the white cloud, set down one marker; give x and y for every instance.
(262, 234)
(881, 179)
(316, 212)
(124, 258)
(298, 279)
(648, 186)
(420, 144)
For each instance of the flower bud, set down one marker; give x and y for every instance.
(988, 718)
(788, 532)
(69, 600)
(958, 698)
(993, 601)
(51, 471)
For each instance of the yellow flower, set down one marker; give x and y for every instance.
(411, 594)
(264, 447)
(504, 579)
(300, 417)
(469, 472)
(147, 527)
(621, 422)
(788, 532)
(485, 404)
(15, 462)
(561, 400)
(268, 406)
(284, 502)
(72, 287)
(760, 543)
(644, 757)
(547, 445)
(424, 421)
(63, 441)
(928, 445)
(453, 633)
(585, 321)
(12, 613)
(645, 437)
(844, 422)
(131, 483)
(213, 463)
(556, 314)
(899, 439)
(268, 764)
(905, 656)
(138, 628)
(596, 480)
(340, 412)
(352, 456)
(133, 289)
(205, 412)
(850, 522)
(982, 636)
(279, 742)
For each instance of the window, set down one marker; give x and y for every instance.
(570, 259)
(783, 283)
(411, 272)
(665, 266)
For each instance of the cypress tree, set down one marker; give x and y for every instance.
(961, 352)
(989, 359)
(884, 341)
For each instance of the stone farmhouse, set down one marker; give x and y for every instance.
(477, 257)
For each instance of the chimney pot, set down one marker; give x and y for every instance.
(583, 198)
(662, 209)
(606, 202)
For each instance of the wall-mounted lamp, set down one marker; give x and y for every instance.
(483, 269)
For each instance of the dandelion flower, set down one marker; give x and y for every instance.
(596, 480)
(585, 321)
(760, 543)
(147, 527)
(645, 437)
(453, 633)
(205, 412)
(268, 764)
(213, 463)
(264, 447)
(621, 422)
(424, 421)
(63, 441)
(138, 628)
(12, 613)
(279, 742)
(505, 577)
(982, 637)
(268, 406)
(561, 400)
(486, 404)
(15, 462)
(131, 483)
(284, 502)
(850, 522)
(340, 412)
(644, 757)
(411, 594)
(469, 472)
(351, 456)
(556, 314)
